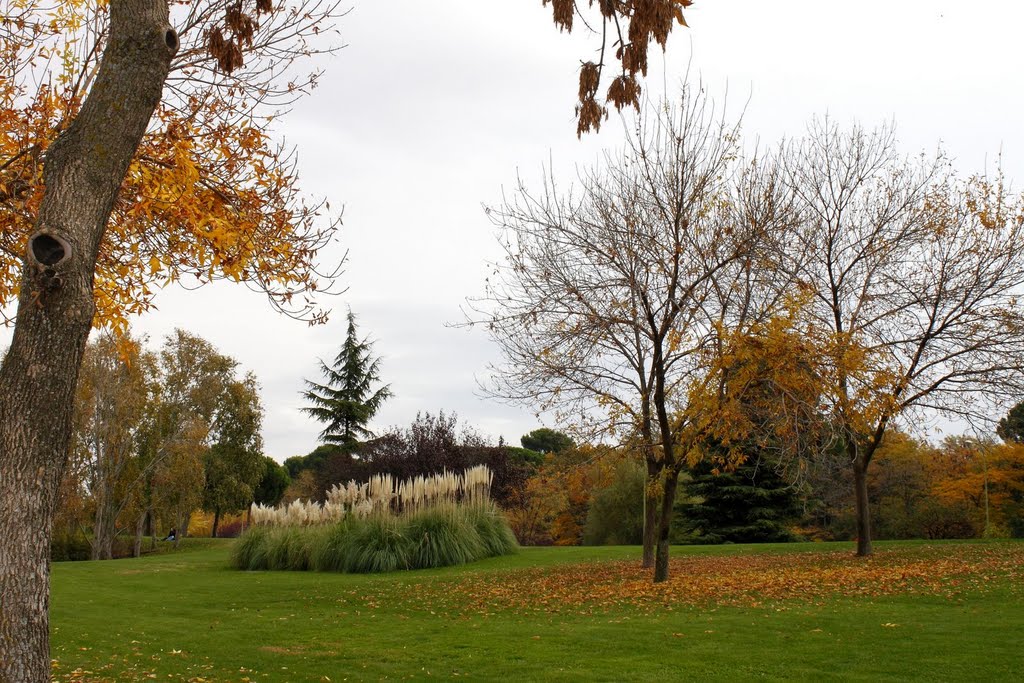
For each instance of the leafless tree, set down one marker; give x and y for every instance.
(610, 292)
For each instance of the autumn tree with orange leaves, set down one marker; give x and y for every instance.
(113, 184)
(209, 194)
(134, 154)
(915, 275)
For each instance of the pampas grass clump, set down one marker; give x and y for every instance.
(381, 526)
(434, 537)
(444, 537)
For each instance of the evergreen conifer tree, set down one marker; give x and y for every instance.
(751, 504)
(347, 401)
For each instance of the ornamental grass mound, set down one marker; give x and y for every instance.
(381, 526)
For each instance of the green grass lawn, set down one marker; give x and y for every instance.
(937, 611)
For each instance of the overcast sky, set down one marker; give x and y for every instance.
(433, 107)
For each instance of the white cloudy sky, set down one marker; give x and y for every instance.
(433, 107)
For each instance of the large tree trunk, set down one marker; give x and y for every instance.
(83, 171)
(668, 502)
(860, 484)
(651, 502)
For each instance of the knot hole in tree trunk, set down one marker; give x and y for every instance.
(171, 39)
(48, 249)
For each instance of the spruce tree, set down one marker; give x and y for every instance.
(347, 401)
(750, 504)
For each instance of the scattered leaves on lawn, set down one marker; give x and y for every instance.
(744, 580)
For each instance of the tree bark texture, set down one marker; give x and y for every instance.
(140, 526)
(83, 171)
(103, 530)
(860, 483)
(668, 502)
(651, 502)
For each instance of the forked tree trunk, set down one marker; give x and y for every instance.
(83, 171)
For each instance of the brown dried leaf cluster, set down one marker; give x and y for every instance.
(241, 28)
(631, 26)
(624, 90)
(563, 11)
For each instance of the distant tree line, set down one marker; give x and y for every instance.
(431, 444)
(157, 436)
(961, 487)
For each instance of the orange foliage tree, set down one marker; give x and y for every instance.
(915, 279)
(986, 481)
(552, 508)
(209, 194)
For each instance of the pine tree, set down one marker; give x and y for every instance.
(346, 402)
(751, 504)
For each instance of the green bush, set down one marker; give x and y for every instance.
(443, 537)
(378, 544)
(495, 534)
(68, 546)
(250, 550)
(330, 551)
(616, 514)
(437, 537)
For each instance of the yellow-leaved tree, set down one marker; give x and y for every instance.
(136, 151)
(208, 194)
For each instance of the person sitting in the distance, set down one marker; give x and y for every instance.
(172, 535)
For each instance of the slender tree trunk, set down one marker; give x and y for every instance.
(99, 530)
(140, 526)
(860, 483)
(216, 523)
(651, 518)
(182, 528)
(83, 171)
(669, 468)
(668, 502)
(104, 528)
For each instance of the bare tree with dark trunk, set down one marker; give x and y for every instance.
(608, 296)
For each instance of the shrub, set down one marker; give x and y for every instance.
(290, 548)
(443, 537)
(250, 550)
(230, 528)
(438, 536)
(331, 547)
(69, 546)
(377, 544)
(496, 536)
(616, 514)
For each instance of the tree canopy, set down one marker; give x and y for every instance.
(209, 194)
(546, 440)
